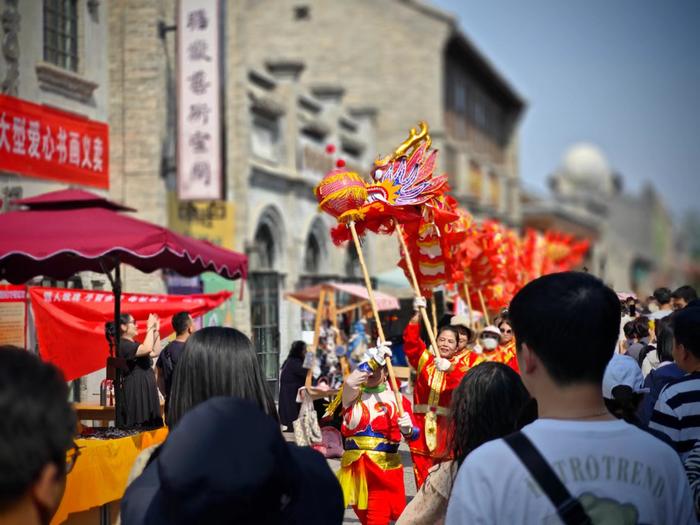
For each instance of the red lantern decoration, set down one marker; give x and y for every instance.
(342, 194)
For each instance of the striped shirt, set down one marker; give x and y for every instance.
(692, 469)
(677, 413)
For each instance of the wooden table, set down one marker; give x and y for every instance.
(103, 414)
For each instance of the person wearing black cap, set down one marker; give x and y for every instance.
(226, 462)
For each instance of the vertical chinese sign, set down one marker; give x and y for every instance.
(199, 166)
(43, 142)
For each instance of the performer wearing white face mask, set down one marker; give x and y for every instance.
(490, 343)
(489, 338)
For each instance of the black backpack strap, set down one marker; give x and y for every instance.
(569, 508)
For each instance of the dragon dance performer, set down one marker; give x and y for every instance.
(492, 342)
(371, 473)
(432, 394)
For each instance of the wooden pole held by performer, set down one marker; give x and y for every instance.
(483, 307)
(469, 305)
(416, 290)
(375, 313)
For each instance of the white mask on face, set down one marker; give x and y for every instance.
(489, 343)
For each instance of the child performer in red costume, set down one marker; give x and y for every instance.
(371, 473)
(432, 393)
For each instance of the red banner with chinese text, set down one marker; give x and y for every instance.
(39, 141)
(70, 324)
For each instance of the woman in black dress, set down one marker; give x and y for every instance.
(292, 378)
(140, 394)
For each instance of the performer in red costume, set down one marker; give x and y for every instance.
(432, 393)
(494, 350)
(371, 473)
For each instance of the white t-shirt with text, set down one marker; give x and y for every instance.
(617, 471)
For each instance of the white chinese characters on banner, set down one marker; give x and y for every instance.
(35, 140)
(199, 125)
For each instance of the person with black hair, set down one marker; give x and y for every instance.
(666, 372)
(140, 402)
(292, 378)
(677, 411)
(218, 361)
(183, 324)
(37, 429)
(662, 297)
(587, 463)
(648, 356)
(436, 378)
(503, 324)
(640, 331)
(630, 334)
(489, 403)
(464, 332)
(226, 462)
(682, 296)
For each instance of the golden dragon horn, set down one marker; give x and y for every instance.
(414, 138)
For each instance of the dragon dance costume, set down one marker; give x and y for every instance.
(371, 473)
(432, 395)
(503, 354)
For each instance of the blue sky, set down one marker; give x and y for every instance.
(623, 74)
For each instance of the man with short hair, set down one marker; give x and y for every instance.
(183, 324)
(37, 428)
(566, 327)
(682, 296)
(677, 411)
(663, 299)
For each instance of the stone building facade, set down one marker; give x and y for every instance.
(57, 57)
(633, 242)
(408, 61)
(141, 107)
(300, 76)
(394, 63)
(70, 75)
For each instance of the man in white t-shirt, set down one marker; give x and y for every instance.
(566, 328)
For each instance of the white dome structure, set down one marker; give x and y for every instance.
(585, 167)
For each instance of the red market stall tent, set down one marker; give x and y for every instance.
(64, 232)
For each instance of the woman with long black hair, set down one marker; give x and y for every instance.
(490, 402)
(218, 361)
(140, 402)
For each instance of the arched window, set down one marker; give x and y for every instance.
(312, 254)
(263, 256)
(267, 251)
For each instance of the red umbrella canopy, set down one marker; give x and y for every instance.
(69, 231)
(69, 199)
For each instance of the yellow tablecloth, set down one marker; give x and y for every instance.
(100, 474)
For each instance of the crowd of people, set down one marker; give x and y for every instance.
(574, 407)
